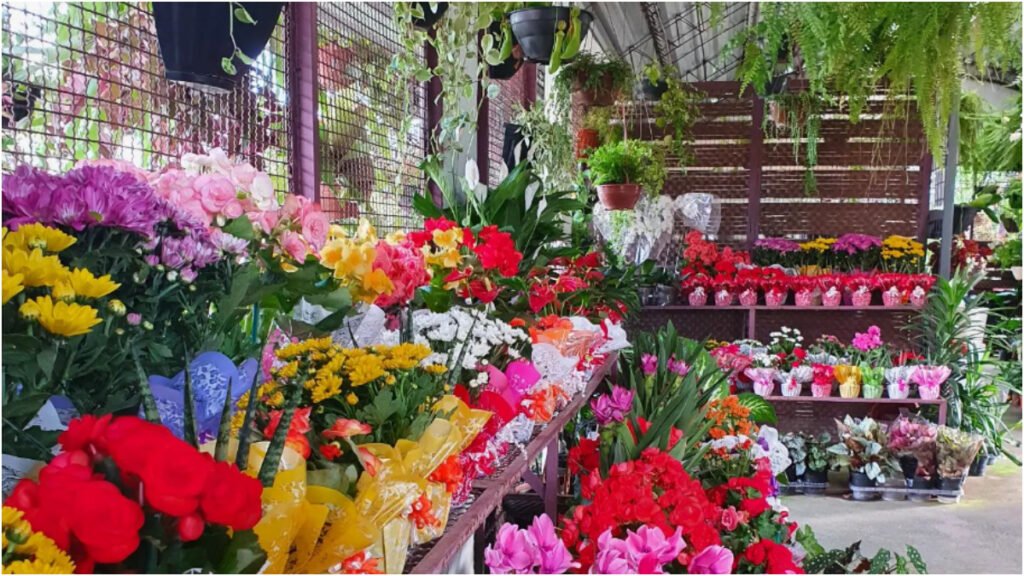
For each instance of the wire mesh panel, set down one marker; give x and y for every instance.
(86, 81)
(367, 168)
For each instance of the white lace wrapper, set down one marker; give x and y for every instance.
(518, 431)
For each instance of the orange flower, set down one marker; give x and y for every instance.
(345, 428)
(448, 473)
(361, 563)
(421, 515)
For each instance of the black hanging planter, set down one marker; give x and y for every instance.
(535, 29)
(513, 138)
(430, 17)
(512, 64)
(194, 37)
(654, 91)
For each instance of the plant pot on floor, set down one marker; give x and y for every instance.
(791, 474)
(979, 465)
(921, 483)
(619, 196)
(861, 480)
(535, 29)
(897, 492)
(816, 476)
(952, 485)
(194, 38)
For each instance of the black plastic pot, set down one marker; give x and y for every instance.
(654, 91)
(951, 484)
(510, 66)
(791, 474)
(922, 483)
(861, 479)
(991, 459)
(978, 466)
(194, 37)
(817, 476)
(430, 18)
(908, 465)
(513, 138)
(535, 29)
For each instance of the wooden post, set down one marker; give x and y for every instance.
(924, 197)
(303, 104)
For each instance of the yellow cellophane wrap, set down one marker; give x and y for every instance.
(849, 378)
(311, 529)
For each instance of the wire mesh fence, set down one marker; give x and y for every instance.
(86, 81)
(367, 165)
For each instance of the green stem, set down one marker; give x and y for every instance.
(190, 411)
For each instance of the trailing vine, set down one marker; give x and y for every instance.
(676, 113)
(798, 116)
(850, 48)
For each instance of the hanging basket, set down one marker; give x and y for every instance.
(619, 196)
(195, 36)
(535, 29)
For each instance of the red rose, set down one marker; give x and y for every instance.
(755, 553)
(105, 522)
(232, 498)
(131, 442)
(174, 481)
(83, 432)
(190, 527)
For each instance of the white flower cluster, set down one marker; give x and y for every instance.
(469, 338)
(785, 335)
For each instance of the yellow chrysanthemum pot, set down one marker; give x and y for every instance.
(849, 378)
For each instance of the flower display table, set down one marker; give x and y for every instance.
(434, 557)
(808, 414)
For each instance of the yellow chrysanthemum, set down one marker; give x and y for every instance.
(364, 369)
(63, 291)
(436, 368)
(324, 388)
(447, 239)
(36, 268)
(12, 285)
(35, 235)
(61, 318)
(352, 399)
(90, 287)
(28, 552)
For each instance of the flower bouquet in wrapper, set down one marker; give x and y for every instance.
(920, 285)
(929, 380)
(776, 289)
(748, 284)
(695, 288)
(823, 376)
(805, 290)
(831, 286)
(894, 288)
(859, 287)
(724, 290)
(849, 379)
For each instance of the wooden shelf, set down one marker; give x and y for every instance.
(435, 557)
(739, 308)
(858, 400)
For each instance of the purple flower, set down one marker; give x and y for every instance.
(854, 243)
(512, 552)
(649, 364)
(678, 367)
(781, 245)
(27, 194)
(711, 560)
(609, 408)
(134, 318)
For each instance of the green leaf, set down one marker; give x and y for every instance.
(241, 227)
(228, 65)
(242, 15)
(243, 57)
(880, 563)
(916, 560)
(761, 411)
(243, 555)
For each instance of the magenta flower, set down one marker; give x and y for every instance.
(781, 245)
(517, 551)
(649, 364)
(554, 556)
(711, 560)
(930, 376)
(609, 408)
(866, 341)
(678, 367)
(650, 548)
(612, 556)
(854, 243)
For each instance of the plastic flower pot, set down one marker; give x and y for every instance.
(791, 474)
(698, 297)
(724, 298)
(929, 391)
(816, 477)
(908, 465)
(861, 480)
(892, 298)
(897, 380)
(821, 390)
(764, 380)
(535, 29)
(921, 483)
(872, 379)
(899, 390)
(832, 298)
(872, 391)
(978, 466)
(849, 380)
(918, 297)
(511, 65)
(898, 490)
(194, 38)
(790, 387)
(586, 139)
(619, 196)
(748, 297)
(804, 298)
(861, 298)
(775, 298)
(951, 484)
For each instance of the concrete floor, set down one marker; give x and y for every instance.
(980, 535)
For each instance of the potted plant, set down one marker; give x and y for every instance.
(550, 35)
(912, 441)
(797, 446)
(620, 170)
(929, 380)
(597, 129)
(956, 451)
(898, 381)
(862, 447)
(823, 377)
(212, 44)
(872, 378)
(675, 113)
(818, 460)
(655, 80)
(849, 380)
(598, 80)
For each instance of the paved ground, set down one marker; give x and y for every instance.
(980, 535)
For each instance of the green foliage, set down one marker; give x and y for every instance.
(863, 447)
(761, 411)
(797, 115)
(850, 560)
(817, 451)
(550, 147)
(676, 112)
(849, 48)
(600, 118)
(588, 71)
(628, 162)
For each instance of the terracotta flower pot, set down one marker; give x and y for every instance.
(586, 139)
(604, 94)
(619, 196)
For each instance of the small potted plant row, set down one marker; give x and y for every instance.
(810, 459)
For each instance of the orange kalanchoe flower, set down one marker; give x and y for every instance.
(421, 515)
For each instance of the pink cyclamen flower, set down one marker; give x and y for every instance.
(711, 560)
(612, 556)
(649, 364)
(554, 556)
(651, 549)
(512, 552)
(865, 341)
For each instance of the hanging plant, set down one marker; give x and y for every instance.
(848, 49)
(551, 35)
(797, 115)
(675, 113)
(598, 80)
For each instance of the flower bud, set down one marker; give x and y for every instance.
(147, 325)
(190, 527)
(117, 307)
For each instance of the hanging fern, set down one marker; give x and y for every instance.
(850, 48)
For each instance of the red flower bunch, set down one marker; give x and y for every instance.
(823, 374)
(906, 357)
(857, 282)
(654, 490)
(87, 498)
(571, 286)
(702, 257)
(830, 281)
(585, 456)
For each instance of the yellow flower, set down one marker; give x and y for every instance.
(446, 258)
(35, 235)
(395, 238)
(323, 388)
(90, 287)
(117, 307)
(61, 318)
(436, 368)
(447, 239)
(289, 370)
(28, 552)
(63, 291)
(12, 285)
(352, 399)
(35, 268)
(364, 369)
(377, 283)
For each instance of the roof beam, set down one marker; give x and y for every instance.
(653, 18)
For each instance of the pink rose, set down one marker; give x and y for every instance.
(314, 227)
(294, 245)
(242, 175)
(218, 195)
(730, 518)
(176, 187)
(265, 220)
(293, 206)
